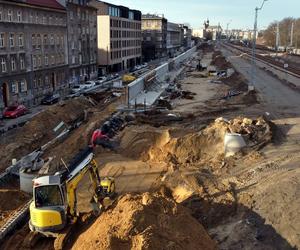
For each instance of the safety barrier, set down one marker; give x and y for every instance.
(160, 73)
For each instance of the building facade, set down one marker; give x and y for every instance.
(82, 41)
(33, 51)
(187, 36)
(154, 31)
(119, 37)
(174, 38)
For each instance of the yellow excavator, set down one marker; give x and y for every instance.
(53, 211)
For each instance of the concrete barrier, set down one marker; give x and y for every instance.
(161, 74)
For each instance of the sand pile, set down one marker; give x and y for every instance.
(10, 200)
(39, 130)
(145, 222)
(208, 144)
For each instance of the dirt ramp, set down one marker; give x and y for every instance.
(147, 221)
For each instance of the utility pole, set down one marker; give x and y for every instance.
(277, 38)
(292, 34)
(227, 29)
(254, 44)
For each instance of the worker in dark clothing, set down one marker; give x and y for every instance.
(100, 137)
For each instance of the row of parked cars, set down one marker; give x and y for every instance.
(139, 67)
(89, 84)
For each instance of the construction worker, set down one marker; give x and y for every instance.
(100, 137)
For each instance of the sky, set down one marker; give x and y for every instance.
(238, 13)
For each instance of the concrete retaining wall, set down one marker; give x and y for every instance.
(161, 73)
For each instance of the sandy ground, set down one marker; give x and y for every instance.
(248, 201)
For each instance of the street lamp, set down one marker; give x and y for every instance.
(254, 43)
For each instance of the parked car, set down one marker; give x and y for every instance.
(15, 111)
(50, 99)
(144, 65)
(138, 67)
(101, 79)
(87, 85)
(76, 89)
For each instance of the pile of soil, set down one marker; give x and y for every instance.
(220, 61)
(39, 130)
(204, 146)
(236, 82)
(10, 200)
(147, 221)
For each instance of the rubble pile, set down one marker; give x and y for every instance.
(146, 221)
(186, 148)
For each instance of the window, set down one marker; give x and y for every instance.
(48, 196)
(21, 40)
(31, 17)
(47, 81)
(52, 60)
(1, 15)
(11, 40)
(23, 86)
(52, 39)
(34, 61)
(44, 20)
(46, 60)
(80, 59)
(3, 65)
(39, 61)
(57, 40)
(35, 83)
(62, 41)
(2, 44)
(33, 40)
(71, 15)
(38, 40)
(45, 40)
(9, 15)
(73, 45)
(73, 59)
(14, 87)
(37, 18)
(19, 16)
(22, 63)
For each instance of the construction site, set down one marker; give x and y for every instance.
(197, 160)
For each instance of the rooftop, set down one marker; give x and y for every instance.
(53, 4)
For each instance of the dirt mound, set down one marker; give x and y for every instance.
(10, 200)
(236, 82)
(145, 222)
(39, 130)
(204, 146)
(219, 61)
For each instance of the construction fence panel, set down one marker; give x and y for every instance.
(135, 88)
(162, 72)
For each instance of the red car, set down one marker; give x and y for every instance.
(14, 111)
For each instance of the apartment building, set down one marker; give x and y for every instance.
(82, 40)
(154, 32)
(119, 37)
(186, 36)
(33, 50)
(174, 38)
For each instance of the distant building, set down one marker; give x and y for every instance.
(187, 36)
(119, 37)
(82, 41)
(154, 31)
(33, 50)
(198, 33)
(174, 38)
(212, 32)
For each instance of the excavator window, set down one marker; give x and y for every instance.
(47, 196)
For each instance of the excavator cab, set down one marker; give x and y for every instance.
(48, 209)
